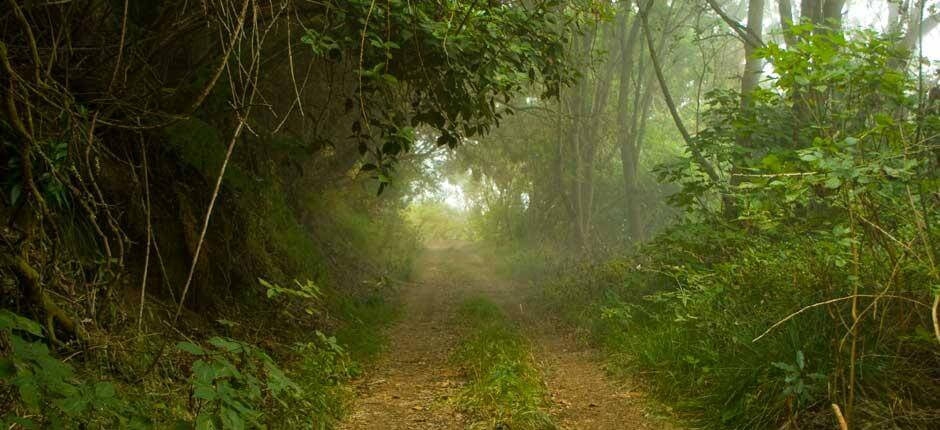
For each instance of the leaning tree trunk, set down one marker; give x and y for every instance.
(697, 156)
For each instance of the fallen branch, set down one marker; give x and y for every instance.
(205, 223)
(143, 278)
(843, 425)
(773, 175)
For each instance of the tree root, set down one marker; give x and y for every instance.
(29, 278)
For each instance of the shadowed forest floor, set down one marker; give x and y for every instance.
(413, 385)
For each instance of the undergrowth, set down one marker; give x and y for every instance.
(218, 383)
(505, 389)
(365, 318)
(688, 313)
(523, 262)
(280, 355)
(198, 260)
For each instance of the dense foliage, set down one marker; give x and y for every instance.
(791, 280)
(189, 194)
(821, 290)
(209, 208)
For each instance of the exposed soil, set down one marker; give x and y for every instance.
(412, 385)
(583, 397)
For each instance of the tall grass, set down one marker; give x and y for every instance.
(686, 312)
(364, 321)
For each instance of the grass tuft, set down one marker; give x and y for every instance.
(505, 389)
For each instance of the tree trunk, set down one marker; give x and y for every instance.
(832, 14)
(626, 138)
(752, 64)
(810, 11)
(587, 102)
(785, 9)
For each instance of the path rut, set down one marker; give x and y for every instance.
(411, 387)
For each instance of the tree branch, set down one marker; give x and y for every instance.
(742, 31)
(696, 153)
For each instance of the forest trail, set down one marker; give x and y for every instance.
(412, 385)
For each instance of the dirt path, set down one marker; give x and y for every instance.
(583, 397)
(412, 385)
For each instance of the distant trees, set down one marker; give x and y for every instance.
(638, 78)
(588, 179)
(633, 106)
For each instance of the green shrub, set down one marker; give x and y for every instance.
(816, 292)
(231, 381)
(686, 311)
(321, 372)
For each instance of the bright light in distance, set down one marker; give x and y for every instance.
(453, 195)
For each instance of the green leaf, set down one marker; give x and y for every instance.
(12, 321)
(204, 392)
(390, 79)
(204, 422)
(833, 182)
(15, 191)
(29, 394)
(227, 345)
(809, 156)
(190, 348)
(232, 419)
(204, 371)
(73, 406)
(7, 369)
(104, 390)
(772, 162)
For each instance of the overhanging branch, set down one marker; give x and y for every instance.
(749, 37)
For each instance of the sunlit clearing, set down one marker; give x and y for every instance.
(454, 195)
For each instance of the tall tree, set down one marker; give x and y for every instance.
(627, 137)
(585, 104)
(751, 35)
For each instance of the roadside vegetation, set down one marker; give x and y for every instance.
(504, 388)
(801, 294)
